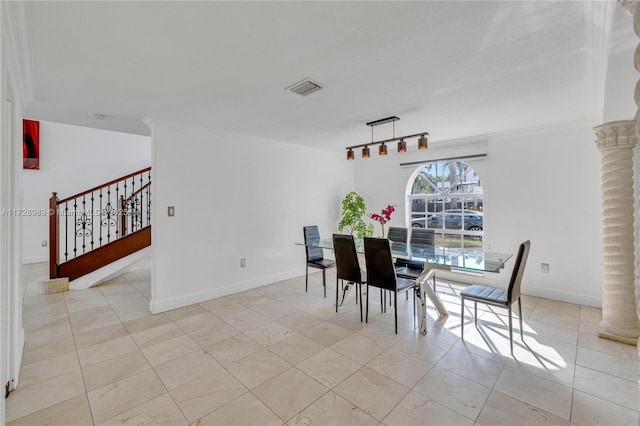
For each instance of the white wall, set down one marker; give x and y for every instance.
(621, 74)
(74, 159)
(541, 185)
(235, 197)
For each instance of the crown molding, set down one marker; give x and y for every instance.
(16, 27)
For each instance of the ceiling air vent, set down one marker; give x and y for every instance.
(305, 87)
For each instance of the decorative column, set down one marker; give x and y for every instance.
(634, 10)
(616, 141)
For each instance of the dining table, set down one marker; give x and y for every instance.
(431, 258)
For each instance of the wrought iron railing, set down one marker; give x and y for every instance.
(94, 218)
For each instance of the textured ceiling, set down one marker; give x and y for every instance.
(452, 68)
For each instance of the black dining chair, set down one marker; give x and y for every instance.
(348, 266)
(315, 256)
(397, 235)
(422, 239)
(422, 244)
(381, 273)
(497, 296)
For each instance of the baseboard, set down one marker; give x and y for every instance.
(563, 296)
(37, 259)
(158, 306)
(488, 279)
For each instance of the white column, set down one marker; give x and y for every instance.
(616, 141)
(633, 9)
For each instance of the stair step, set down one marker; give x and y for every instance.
(54, 285)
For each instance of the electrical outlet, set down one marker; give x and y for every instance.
(544, 267)
(44, 243)
(243, 262)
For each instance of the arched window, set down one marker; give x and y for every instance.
(446, 196)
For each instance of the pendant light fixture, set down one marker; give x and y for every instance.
(422, 142)
(402, 146)
(350, 155)
(382, 149)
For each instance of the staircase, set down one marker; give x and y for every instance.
(98, 232)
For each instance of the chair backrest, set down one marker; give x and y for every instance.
(518, 271)
(380, 269)
(311, 234)
(347, 265)
(397, 234)
(421, 237)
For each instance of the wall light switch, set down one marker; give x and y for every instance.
(544, 267)
(171, 211)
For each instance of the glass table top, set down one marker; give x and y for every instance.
(469, 259)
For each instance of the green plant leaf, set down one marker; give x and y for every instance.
(354, 210)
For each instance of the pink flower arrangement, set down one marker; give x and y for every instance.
(384, 216)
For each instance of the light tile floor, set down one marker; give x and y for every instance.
(277, 355)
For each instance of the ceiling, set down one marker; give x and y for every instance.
(452, 68)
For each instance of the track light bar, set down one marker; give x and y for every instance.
(402, 145)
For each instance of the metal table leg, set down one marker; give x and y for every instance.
(425, 290)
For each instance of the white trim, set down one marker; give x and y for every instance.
(563, 296)
(189, 299)
(15, 233)
(150, 121)
(35, 259)
(528, 290)
(483, 138)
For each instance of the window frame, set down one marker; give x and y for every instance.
(440, 196)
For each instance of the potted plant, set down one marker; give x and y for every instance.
(354, 210)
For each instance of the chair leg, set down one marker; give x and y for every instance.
(415, 314)
(306, 279)
(462, 318)
(367, 311)
(475, 313)
(382, 301)
(414, 306)
(359, 291)
(510, 331)
(520, 314)
(337, 294)
(324, 282)
(395, 308)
